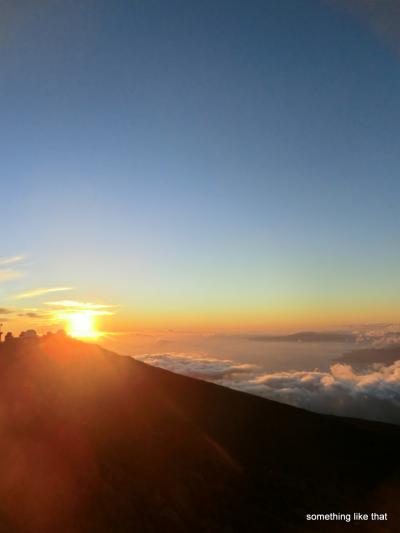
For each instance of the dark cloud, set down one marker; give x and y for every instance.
(4, 311)
(372, 394)
(33, 314)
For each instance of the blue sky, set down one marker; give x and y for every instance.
(202, 158)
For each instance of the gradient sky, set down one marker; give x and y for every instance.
(229, 164)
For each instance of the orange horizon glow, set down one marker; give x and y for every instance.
(86, 320)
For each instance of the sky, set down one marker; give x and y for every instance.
(209, 166)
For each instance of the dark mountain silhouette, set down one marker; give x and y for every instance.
(308, 336)
(386, 355)
(95, 442)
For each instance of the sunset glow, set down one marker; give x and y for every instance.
(82, 325)
(146, 230)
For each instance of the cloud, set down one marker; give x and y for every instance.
(33, 314)
(63, 309)
(11, 260)
(39, 292)
(197, 366)
(9, 275)
(378, 335)
(77, 304)
(4, 311)
(372, 394)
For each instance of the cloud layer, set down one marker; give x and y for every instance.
(373, 394)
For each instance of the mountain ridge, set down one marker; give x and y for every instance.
(95, 441)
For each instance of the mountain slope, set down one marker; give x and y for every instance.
(96, 442)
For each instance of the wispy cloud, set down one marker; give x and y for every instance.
(9, 275)
(73, 306)
(65, 308)
(77, 304)
(11, 260)
(40, 291)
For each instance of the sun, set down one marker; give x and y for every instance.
(82, 325)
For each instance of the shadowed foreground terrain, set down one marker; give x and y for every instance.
(95, 442)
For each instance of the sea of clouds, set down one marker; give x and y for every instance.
(373, 393)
